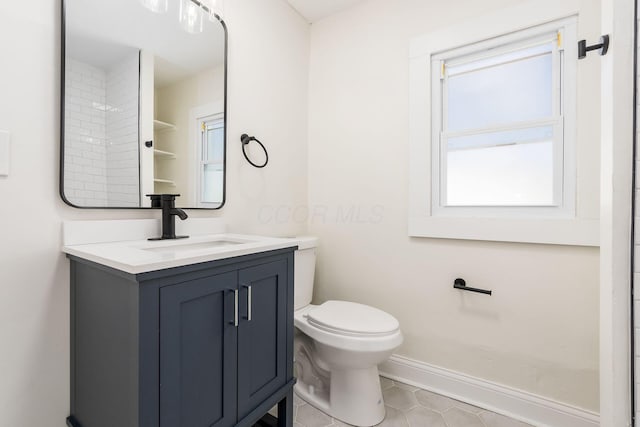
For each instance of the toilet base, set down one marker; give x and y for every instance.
(355, 396)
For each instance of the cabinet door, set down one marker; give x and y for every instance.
(262, 333)
(198, 351)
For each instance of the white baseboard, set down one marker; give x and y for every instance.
(517, 404)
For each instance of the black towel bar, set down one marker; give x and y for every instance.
(462, 285)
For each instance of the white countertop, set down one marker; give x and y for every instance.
(140, 256)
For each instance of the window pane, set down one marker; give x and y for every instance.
(464, 65)
(212, 178)
(500, 90)
(513, 168)
(215, 144)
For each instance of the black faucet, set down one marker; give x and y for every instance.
(167, 202)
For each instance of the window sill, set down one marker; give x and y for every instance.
(574, 232)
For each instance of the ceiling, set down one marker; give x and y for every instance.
(315, 10)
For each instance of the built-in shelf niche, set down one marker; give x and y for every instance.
(164, 181)
(164, 154)
(159, 125)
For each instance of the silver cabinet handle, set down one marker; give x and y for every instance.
(249, 304)
(235, 307)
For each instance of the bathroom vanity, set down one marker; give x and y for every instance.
(191, 333)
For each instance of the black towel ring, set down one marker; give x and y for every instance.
(246, 139)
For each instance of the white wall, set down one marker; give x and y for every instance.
(101, 133)
(85, 133)
(617, 128)
(539, 331)
(123, 180)
(636, 266)
(268, 101)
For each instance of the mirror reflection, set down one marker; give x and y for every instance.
(143, 103)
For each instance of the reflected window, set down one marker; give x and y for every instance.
(211, 162)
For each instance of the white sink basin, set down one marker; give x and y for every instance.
(187, 247)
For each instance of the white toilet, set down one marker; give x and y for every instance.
(337, 348)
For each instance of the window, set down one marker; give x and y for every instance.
(492, 131)
(498, 144)
(211, 160)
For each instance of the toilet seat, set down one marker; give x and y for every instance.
(340, 338)
(353, 319)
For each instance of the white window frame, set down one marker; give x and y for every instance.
(564, 147)
(214, 120)
(196, 116)
(557, 224)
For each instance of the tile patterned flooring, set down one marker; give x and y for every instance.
(409, 406)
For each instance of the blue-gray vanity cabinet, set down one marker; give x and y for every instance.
(262, 338)
(169, 348)
(198, 356)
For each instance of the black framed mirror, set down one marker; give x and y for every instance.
(143, 103)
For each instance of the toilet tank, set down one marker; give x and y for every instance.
(304, 265)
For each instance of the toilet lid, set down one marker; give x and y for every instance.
(352, 318)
